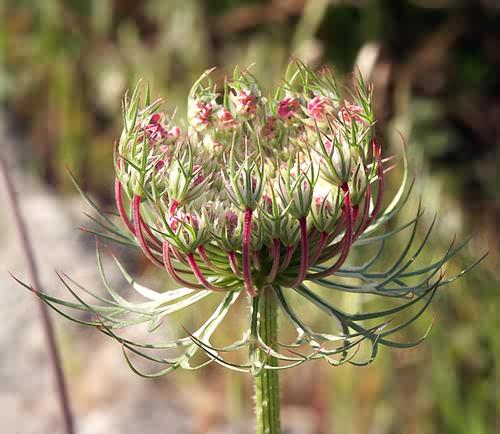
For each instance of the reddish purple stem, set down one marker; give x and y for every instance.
(334, 250)
(150, 234)
(136, 204)
(173, 207)
(247, 272)
(207, 261)
(323, 239)
(304, 253)
(233, 262)
(355, 212)
(180, 258)
(120, 206)
(347, 240)
(289, 250)
(366, 209)
(199, 275)
(167, 261)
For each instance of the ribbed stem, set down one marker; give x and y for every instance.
(267, 388)
(247, 271)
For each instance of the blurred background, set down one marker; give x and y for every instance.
(435, 67)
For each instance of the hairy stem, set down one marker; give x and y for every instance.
(267, 389)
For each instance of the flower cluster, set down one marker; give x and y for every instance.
(251, 178)
(257, 193)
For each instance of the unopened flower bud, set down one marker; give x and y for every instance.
(351, 112)
(228, 229)
(287, 107)
(336, 162)
(245, 103)
(358, 184)
(325, 212)
(317, 108)
(226, 119)
(201, 114)
(190, 230)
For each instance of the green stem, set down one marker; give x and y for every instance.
(267, 388)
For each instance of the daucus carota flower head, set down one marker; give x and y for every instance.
(257, 194)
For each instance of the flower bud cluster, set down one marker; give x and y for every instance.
(261, 194)
(253, 189)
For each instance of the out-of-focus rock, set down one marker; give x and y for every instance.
(107, 397)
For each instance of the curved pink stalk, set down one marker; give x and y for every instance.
(149, 232)
(207, 261)
(167, 262)
(121, 207)
(364, 217)
(247, 272)
(347, 240)
(199, 275)
(233, 262)
(180, 258)
(289, 250)
(173, 207)
(276, 260)
(136, 203)
(335, 248)
(323, 239)
(355, 212)
(304, 253)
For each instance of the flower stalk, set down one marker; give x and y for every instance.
(267, 387)
(247, 274)
(120, 206)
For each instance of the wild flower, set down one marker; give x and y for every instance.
(245, 203)
(317, 108)
(287, 107)
(226, 119)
